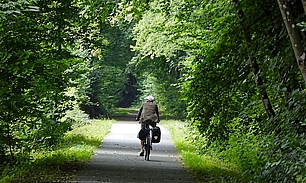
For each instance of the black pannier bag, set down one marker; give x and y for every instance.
(142, 134)
(156, 135)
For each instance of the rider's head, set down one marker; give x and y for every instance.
(150, 98)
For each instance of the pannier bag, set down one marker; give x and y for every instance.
(142, 134)
(156, 134)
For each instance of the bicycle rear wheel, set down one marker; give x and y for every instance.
(147, 149)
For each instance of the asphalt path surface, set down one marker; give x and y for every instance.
(118, 160)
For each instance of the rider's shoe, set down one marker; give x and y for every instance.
(141, 153)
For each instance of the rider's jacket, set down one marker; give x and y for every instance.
(148, 111)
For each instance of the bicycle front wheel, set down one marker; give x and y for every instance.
(147, 149)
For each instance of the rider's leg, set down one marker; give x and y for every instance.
(141, 153)
(142, 144)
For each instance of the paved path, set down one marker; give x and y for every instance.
(117, 160)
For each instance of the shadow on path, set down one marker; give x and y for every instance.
(117, 160)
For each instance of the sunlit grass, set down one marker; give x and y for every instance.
(204, 167)
(74, 150)
(124, 111)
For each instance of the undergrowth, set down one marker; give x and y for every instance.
(205, 167)
(75, 148)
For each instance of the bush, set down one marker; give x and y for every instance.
(286, 163)
(245, 152)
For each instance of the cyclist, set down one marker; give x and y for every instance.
(147, 114)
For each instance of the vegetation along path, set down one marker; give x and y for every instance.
(117, 159)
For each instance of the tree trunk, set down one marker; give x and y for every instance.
(294, 34)
(255, 68)
(10, 143)
(304, 5)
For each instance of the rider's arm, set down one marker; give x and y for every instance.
(157, 113)
(139, 113)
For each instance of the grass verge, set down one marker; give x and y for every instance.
(124, 111)
(205, 168)
(61, 164)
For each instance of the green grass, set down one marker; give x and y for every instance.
(124, 111)
(205, 169)
(75, 149)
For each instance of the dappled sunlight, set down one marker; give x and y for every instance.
(125, 128)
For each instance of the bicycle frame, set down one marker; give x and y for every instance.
(148, 144)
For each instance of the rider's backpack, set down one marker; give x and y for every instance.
(156, 134)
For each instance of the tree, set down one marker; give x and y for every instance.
(254, 65)
(41, 46)
(290, 19)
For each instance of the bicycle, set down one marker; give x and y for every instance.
(148, 143)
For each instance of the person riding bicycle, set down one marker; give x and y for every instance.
(147, 114)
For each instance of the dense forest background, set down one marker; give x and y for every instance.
(235, 70)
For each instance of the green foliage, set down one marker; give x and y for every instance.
(111, 83)
(165, 94)
(302, 25)
(106, 86)
(286, 160)
(245, 152)
(159, 57)
(286, 151)
(74, 148)
(39, 64)
(205, 167)
(118, 55)
(212, 90)
(110, 87)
